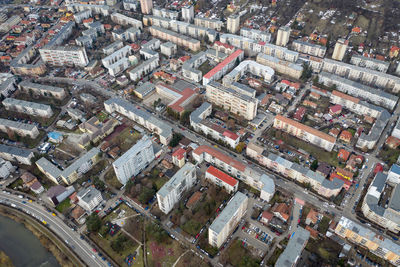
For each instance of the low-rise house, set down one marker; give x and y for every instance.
(346, 136)
(58, 193)
(179, 157)
(281, 211)
(312, 217)
(266, 217)
(343, 155)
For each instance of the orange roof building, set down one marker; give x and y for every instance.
(281, 210)
(343, 155)
(346, 136)
(222, 179)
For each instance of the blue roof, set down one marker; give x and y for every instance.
(395, 168)
(54, 135)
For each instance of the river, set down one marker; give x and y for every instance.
(23, 248)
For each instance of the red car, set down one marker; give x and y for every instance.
(197, 236)
(94, 250)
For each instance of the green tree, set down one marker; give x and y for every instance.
(307, 72)
(176, 137)
(104, 230)
(314, 165)
(184, 118)
(146, 195)
(239, 148)
(93, 222)
(99, 184)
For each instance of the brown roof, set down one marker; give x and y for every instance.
(267, 215)
(346, 135)
(313, 216)
(313, 232)
(306, 128)
(77, 212)
(28, 177)
(221, 156)
(345, 96)
(282, 209)
(194, 199)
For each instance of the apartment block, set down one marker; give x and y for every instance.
(108, 50)
(292, 253)
(146, 6)
(9, 23)
(136, 159)
(304, 132)
(96, 9)
(368, 239)
(19, 128)
(309, 48)
(369, 63)
(283, 36)
(89, 198)
(222, 179)
(145, 68)
(208, 23)
(233, 23)
(130, 4)
(6, 168)
(125, 20)
(364, 75)
(188, 13)
(15, 154)
(257, 35)
(80, 16)
(372, 95)
(251, 66)
(43, 90)
(340, 49)
(141, 117)
(21, 64)
(165, 13)
(7, 84)
(64, 56)
(171, 192)
(30, 108)
(281, 66)
(227, 220)
(169, 49)
(176, 38)
(232, 100)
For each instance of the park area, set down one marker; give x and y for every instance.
(124, 137)
(239, 254)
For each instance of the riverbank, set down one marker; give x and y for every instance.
(5, 261)
(62, 254)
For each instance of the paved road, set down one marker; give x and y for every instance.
(79, 246)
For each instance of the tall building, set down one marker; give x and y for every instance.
(89, 198)
(294, 248)
(146, 6)
(188, 13)
(233, 23)
(134, 160)
(228, 219)
(172, 191)
(283, 36)
(64, 56)
(340, 49)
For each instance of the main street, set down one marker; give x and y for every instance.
(65, 233)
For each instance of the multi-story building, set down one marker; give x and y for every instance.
(305, 132)
(166, 13)
(145, 68)
(199, 124)
(253, 47)
(94, 130)
(21, 66)
(222, 179)
(233, 23)
(64, 55)
(108, 50)
(9, 23)
(292, 253)
(370, 63)
(340, 49)
(283, 36)
(85, 41)
(238, 169)
(208, 23)
(19, 128)
(72, 173)
(6, 168)
(96, 9)
(396, 130)
(188, 13)
(136, 159)
(30, 108)
(222, 68)
(41, 89)
(169, 49)
(252, 67)
(125, 20)
(131, 5)
(367, 238)
(367, 76)
(324, 187)
(15, 154)
(372, 95)
(261, 36)
(232, 100)
(309, 48)
(89, 198)
(227, 220)
(284, 67)
(7, 84)
(171, 192)
(141, 117)
(80, 16)
(146, 6)
(176, 38)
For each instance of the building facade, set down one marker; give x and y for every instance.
(64, 56)
(30, 108)
(340, 49)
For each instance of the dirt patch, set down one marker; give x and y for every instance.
(117, 130)
(158, 252)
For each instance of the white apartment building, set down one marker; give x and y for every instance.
(9, 23)
(145, 68)
(208, 23)
(165, 13)
(369, 63)
(80, 16)
(227, 220)
(121, 53)
(89, 198)
(6, 168)
(176, 38)
(251, 66)
(130, 4)
(305, 132)
(261, 36)
(396, 130)
(171, 192)
(188, 13)
(119, 66)
(232, 100)
(233, 23)
(30, 108)
(281, 66)
(309, 48)
(168, 49)
(141, 117)
(222, 179)
(7, 84)
(369, 141)
(136, 159)
(15, 154)
(340, 49)
(22, 129)
(146, 6)
(85, 41)
(283, 36)
(41, 89)
(96, 9)
(367, 76)
(372, 95)
(125, 20)
(108, 50)
(64, 56)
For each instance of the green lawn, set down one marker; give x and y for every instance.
(64, 205)
(111, 179)
(127, 139)
(324, 225)
(16, 183)
(102, 116)
(389, 155)
(238, 255)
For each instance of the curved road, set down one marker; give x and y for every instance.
(70, 237)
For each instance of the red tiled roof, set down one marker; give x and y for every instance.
(228, 46)
(221, 156)
(186, 94)
(222, 176)
(230, 135)
(335, 175)
(267, 215)
(221, 65)
(335, 108)
(179, 153)
(346, 135)
(345, 96)
(343, 154)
